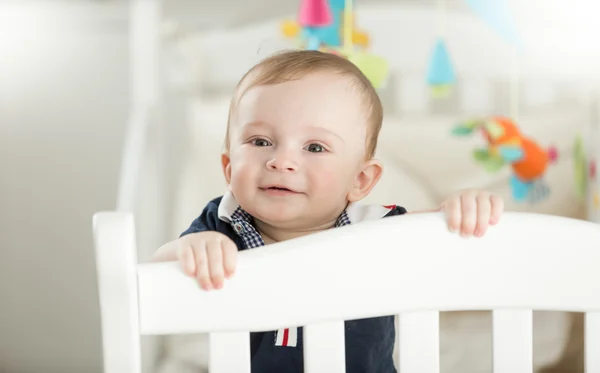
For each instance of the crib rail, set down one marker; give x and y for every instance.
(409, 265)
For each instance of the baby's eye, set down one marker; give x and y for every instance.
(260, 142)
(315, 148)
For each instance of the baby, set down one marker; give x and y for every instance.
(299, 156)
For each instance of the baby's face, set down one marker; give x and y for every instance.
(296, 149)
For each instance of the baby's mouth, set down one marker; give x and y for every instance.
(278, 189)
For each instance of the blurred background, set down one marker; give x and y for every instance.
(122, 105)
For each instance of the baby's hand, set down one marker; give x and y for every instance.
(472, 211)
(210, 257)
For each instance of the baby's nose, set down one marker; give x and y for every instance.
(282, 162)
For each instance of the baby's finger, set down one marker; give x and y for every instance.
(497, 207)
(453, 214)
(186, 257)
(469, 213)
(215, 263)
(230, 251)
(202, 273)
(484, 207)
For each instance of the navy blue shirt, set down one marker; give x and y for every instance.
(369, 342)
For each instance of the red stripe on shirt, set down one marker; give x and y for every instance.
(286, 334)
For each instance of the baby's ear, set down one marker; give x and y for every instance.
(226, 164)
(366, 179)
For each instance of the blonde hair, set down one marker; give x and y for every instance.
(292, 65)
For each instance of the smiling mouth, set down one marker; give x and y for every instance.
(278, 189)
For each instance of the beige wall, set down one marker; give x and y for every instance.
(63, 106)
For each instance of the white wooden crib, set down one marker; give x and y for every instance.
(410, 266)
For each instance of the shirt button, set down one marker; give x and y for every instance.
(239, 228)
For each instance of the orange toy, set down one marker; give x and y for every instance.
(508, 146)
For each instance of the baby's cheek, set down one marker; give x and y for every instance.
(329, 177)
(240, 172)
(242, 160)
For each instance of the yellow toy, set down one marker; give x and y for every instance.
(290, 29)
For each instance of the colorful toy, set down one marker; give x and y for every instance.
(315, 13)
(580, 168)
(507, 146)
(328, 26)
(585, 171)
(440, 74)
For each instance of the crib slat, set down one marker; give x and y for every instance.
(512, 341)
(419, 342)
(592, 342)
(229, 352)
(324, 348)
